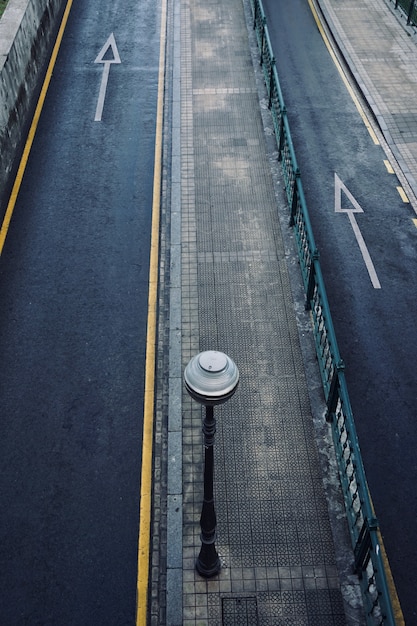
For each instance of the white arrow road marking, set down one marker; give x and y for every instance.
(338, 187)
(110, 44)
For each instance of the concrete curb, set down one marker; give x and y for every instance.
(26, 29)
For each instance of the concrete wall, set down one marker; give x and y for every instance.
(26, 28)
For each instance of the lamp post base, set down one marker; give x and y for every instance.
(208, 562)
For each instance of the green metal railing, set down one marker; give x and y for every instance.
(363, 526)
(409, 8)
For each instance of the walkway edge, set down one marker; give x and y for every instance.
(146, 476)
(174, 488)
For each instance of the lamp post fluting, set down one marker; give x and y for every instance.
(210, 378)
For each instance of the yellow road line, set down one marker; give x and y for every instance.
(403, 195)
(146, 477)
(343, 75)
(31, 135)
(415, 222)
(388, 166)
(395, 602)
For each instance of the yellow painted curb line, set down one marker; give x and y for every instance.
(403, 195)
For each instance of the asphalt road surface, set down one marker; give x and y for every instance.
(73, 313)
(375, 325)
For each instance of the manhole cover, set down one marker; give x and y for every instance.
(239, 612)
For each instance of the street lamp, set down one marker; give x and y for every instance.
(210, 378)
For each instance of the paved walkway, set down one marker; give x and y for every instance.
(232, 284)
(381, 51)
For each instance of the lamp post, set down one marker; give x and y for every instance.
(210, 378)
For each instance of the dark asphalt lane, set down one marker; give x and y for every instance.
(73, 313)
(376, 328)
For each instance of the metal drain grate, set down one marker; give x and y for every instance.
(239, 611)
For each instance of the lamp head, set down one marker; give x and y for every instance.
(211, 377)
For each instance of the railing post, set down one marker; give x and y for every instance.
(255, 13)
(332, 397)
(410, 12)
(311, 279)
(261, 60)
(363, 545)
(271, 82)
(294, 197)
(280, 139)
